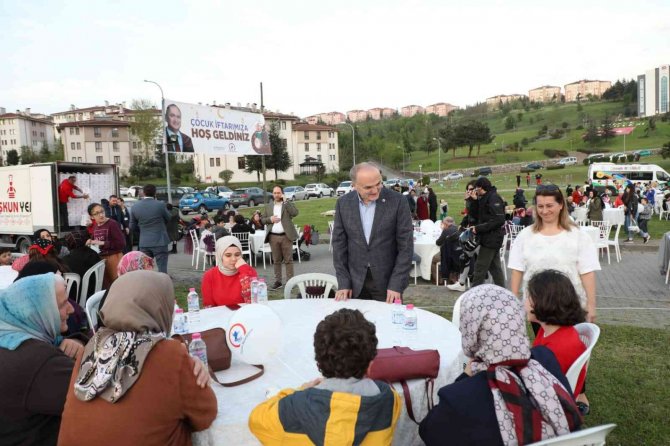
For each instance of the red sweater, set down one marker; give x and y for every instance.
(110, 233)
(218, 289)
(567, 347)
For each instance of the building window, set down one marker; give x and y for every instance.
(306, 135)
(79, 159)
(78, 146)
(42, 134)
(318, 157)
(332, 157)
(96, 132)
(71, 146)
(318, 135)
(134, 144)
(72, 131)
(98, 146)
(115, 132)
(241, 164)
(284, 143)
(76, 131)
(115, 146)
(283, 125)
(98, 159)
(211, 162)
(218, 162)
(318, 146)
(139, 144)
(34, 133)
(306, 147)
(74, 159)
(117, 160)
(137, 159)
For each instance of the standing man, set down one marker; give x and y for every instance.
(151, 216)
(179, 142)
(125, 218)
(372, 239)
(527, 179)
(488, 228)
(281, 233)
(65, 192)
(411, 202)
(115, 210)
(518, 181)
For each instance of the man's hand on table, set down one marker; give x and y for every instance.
(343, 295)
(391, 296)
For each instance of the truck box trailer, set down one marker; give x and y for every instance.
(29, 197)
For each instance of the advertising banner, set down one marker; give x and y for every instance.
(192, 128)
(15, 202)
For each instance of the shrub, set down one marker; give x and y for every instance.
(579, 127)
(556, 166)
(555, 153)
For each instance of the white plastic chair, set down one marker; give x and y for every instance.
(414, 264)
(513, 232)
(296, 244)
(92, 307)
(437, 274)
(427, 226)
(593, 436)
(207, 254)
(316, 280)
(456, 313)
(589, 334)
(265, 250)
(195, 257)
(503, 248)
(99, 270)
(604, 228)
(243, 237)
(615, 242)
(70, 280)
(331, 225)
(662, 213)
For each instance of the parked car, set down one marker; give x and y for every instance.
(482, 172)
(319, 190)
(221, 191)
(202, 202)
(294, 193)
(132, 191)
(643, 152)
(453, 176)
(249, 196)
(346, 187)
(568, 161)
(392, 182)
(177, 194)
(530, 167)
(617, 157)
(433, 180)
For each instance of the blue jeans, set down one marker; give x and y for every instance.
(159, 254)
(628, 222)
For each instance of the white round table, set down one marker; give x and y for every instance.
(295, 364)
(425, 247)
(256, 241)
(592, 231)
(614, 216)
(579, 213)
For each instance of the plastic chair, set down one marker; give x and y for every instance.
(92, 307)
(207, 254)
(265, 250)
(615, 242)
(456, 313)
(604, 228)
(195, 257)
(296, 244)
(589, 334)
(662, 213)
(414, 264)
(503, 248)
(319, 285)
(99, 270)
(243, 237)
(331, 225)
(593, 436)
(72, 279)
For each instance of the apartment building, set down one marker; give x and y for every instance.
(24, 128)
(440, 109)
(357, 115)
(545, 94)
(330, 118)
(494, 102)
(100, 141)
(388, 112)
(316, 141)
(653, 96)
(375, 113)
(584, 88)
(410, 110)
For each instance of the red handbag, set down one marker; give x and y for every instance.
(398, 364)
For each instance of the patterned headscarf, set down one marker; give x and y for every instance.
(135, 261)
(137, 315)
(530, 403)
(42, 245)
(28, 310)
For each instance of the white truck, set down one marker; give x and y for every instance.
(29, 197)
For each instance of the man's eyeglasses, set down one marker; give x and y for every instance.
(547, 188)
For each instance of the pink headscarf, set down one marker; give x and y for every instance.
(133, 261)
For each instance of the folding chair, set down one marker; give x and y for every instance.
(92, 307)
(243, 237)
(589, 334)
(311, 285)
(99, 271)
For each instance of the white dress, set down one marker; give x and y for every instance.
(571, 252)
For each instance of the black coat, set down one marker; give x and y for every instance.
(519, 200)
(466, 416)
(490, 220)
(432, 203)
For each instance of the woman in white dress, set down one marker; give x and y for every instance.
(555, 242)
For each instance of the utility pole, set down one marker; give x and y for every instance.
(263, 156)
(165, 152)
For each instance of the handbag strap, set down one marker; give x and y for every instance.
(241, 381)
(430, 386)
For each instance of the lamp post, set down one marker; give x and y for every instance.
(439, 159)
(403, 159)
(353, 140)
(167, 163)
(420, 174)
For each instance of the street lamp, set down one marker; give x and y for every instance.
(420, 173)
(353, 139)
(403, 159)
(167, 164)
(439, 159)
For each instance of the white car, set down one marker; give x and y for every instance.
(453, 176)
(132, 191)
(344, 188)
(221, 191)
(319, 190)
(294, 193)
(569, 161)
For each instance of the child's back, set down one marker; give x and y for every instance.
(567, 347)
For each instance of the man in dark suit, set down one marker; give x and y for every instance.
(177, 141)
(372, 239)
(152, 216)
(281, 234)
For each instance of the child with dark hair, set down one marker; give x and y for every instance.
(320, 411)
(5, 256)
(553, 303)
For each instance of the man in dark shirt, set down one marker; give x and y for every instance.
(490, 219)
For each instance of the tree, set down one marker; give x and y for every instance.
(254, 163)
(280, 160)
(27, 155)
(45, 154)
(509, 122)
(607, 128)
(471, 134)
(59, 151)
(226, 176)
(448, 138)
(591, 135)
(12, 157)
(146, 123)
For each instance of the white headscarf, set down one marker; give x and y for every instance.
(221, 245)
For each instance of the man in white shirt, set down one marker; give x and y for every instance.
(281, 233)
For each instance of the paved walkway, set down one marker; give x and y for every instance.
(632, 292)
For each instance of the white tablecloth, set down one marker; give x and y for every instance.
(580, 213)
(256, 241)
(592, 231)
(295, 363)
(614, 216)
(425, 247)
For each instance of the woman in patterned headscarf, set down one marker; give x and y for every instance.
(135, 261)
(508, 394)
(133, 384)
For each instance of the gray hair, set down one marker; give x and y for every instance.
(362, 166)
(448, 219)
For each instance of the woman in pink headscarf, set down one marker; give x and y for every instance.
(133, 261)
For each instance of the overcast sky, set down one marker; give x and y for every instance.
(318, 56)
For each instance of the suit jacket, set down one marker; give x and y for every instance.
(151, 216)
(389, 253)
(186, 140)
(288, 211)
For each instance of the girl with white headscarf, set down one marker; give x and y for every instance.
(228, 283)
(509, 394)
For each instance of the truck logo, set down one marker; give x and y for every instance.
(11, 191)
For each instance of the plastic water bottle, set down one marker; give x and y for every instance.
(197, 348)
(179, 322)
(262, 292)
(410, 322)
(193, 306)
(398, 313)
(254, 291)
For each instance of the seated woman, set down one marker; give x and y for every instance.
(341, 408)
(80, 259)
(241, 225)
(256, 221)
(46, 234)
(506, 392)
(147, 396)
(107, 236)
(35, 373)
(135, 261)
(229, 283)
(42, 249)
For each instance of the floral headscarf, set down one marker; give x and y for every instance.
(530, 403)
(134, 261)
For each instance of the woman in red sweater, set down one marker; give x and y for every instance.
(108, 237)
(229, 283)
(553, 303)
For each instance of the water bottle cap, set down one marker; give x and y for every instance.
(397, 301)
(410, 306)
(178, 310)
(191, 290)
(195, 336)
